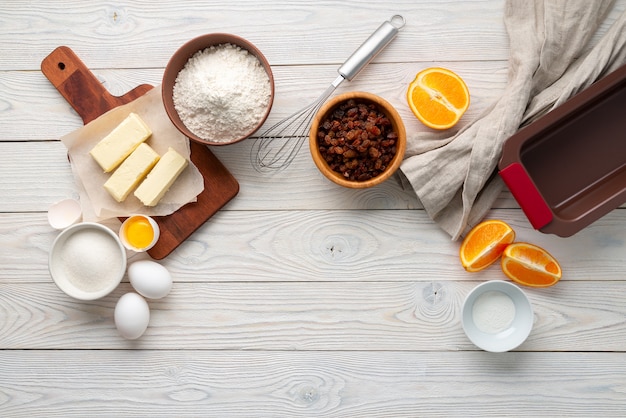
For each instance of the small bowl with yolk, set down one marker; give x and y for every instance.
(139, 233)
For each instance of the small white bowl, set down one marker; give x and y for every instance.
(497, 316)
(87, 261)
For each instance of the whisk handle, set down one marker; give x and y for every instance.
(371, 47)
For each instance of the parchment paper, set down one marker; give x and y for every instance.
(97, 204)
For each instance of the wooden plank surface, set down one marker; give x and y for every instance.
(321, 316)
(312, 383)
(296, 87)
(299, 298)
(329, 245)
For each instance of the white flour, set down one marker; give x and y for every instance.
(493, 312)
(90, 259)
(222, 93)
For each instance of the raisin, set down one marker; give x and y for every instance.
(357, 140)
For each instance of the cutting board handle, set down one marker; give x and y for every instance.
(78, 84)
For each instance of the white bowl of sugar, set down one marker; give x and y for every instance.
(87, 261)
(497, 316)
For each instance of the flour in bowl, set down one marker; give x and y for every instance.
(222, 93)
(493, 312)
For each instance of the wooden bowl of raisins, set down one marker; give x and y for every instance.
(357, 140)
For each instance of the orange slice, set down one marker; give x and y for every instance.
(438, 97)
(484, 244)
(530, 265)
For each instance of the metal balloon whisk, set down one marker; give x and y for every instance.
(277, 146)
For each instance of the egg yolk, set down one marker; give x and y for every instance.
(139, 232)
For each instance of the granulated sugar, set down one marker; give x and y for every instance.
(222, 93)
(90, 260)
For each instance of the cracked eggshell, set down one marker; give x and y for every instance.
(150, 279)
(64, 213)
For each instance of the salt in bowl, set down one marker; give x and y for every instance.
(497, 316)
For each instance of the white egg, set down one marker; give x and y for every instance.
(150, 279)
(132, 315)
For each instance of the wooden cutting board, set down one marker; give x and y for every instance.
(84, 92)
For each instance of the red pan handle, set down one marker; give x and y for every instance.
(524, 191)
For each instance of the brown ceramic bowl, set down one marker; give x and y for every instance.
(177, 63)
(396, 123)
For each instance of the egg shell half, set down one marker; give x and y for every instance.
(132, 315)
(64, 214)
(150, 279)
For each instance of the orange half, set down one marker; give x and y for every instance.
(438, 97)
(484, 244)
(530, 265)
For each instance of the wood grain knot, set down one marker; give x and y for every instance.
(189, 395)
(434, 293)
(309, 394)
(335, 248)
(345, 243)
(435, 303)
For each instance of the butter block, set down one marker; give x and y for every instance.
(120, 142)
(132, 171)
(161, 178)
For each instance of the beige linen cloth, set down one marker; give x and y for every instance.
(456, 178)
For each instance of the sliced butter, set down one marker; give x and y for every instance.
(133, 170)
(122, 140)
(162, 176)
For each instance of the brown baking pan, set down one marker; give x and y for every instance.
(568, 168)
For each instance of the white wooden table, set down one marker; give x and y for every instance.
(299, 298)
